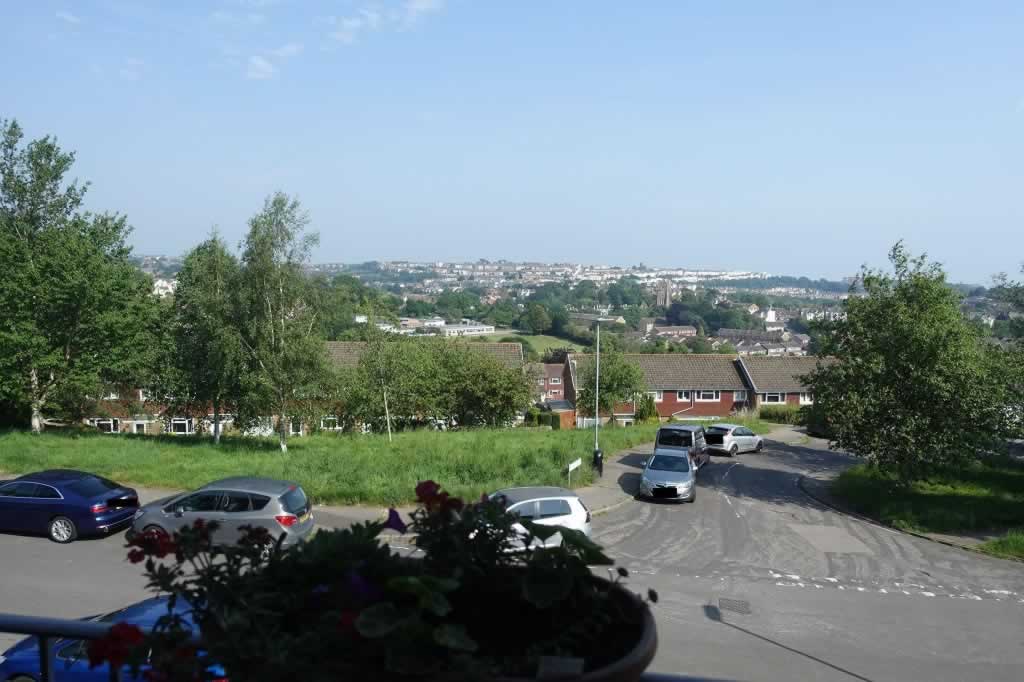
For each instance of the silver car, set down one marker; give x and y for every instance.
(547, 506)
(732, 439)
(668, 476)
(278, 506)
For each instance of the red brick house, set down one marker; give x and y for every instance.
(776, 380)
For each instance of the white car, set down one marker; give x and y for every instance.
(547, 506)
(731, 439)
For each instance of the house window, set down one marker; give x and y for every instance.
(555, 380)
(683, 396)
(295, 426)
(329, 423)
(143, 395)
(739, 396)
(182, 425)
(708, 396)
(657, 395)
(112, 395)
(107, 425)
(773, 398)
(806, 398)
(540, 382)
(139, 427)
(554, 392)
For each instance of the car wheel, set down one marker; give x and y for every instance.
(62, 530)
(760, 446)
(734, 450)
(155, 530)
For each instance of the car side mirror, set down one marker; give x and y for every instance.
(644, 463)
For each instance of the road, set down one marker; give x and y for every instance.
(757, 582)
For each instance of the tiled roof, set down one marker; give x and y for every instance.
(778, 374)
(347, 353)
(683, 371)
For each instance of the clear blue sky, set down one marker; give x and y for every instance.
(792, 137)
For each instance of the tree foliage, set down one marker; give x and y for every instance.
(537, 319)
(913, 387)
(621, 381)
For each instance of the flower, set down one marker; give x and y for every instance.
(395, 522)
(115, 646)
(136, 555)
(452, 504)
(426, 491)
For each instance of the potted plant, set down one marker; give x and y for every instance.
(482, 599)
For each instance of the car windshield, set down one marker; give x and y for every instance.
(91, 486)
(666, 463)
(718, 430)
(294, 501)
(671, 438)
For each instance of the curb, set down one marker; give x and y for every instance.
(613, 506)
(877, 522)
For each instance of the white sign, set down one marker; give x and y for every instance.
(575, 464)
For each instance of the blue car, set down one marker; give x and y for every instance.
(65, 504)
(69, 657)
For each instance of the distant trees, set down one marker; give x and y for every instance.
(536, 319)
(699, 311)
(913, 385)
(621, 380)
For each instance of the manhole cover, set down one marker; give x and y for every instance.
(740, 606)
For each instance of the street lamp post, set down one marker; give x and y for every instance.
(598, 455)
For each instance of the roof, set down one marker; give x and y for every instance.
(553, 369)
(680, 371)
(346, 354)
(516, 495)
(778, 374)
(559, 406)
(252, 484)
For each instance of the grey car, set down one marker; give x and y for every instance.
(674, 439)
(278, 506)
(668, 476)
(732, 439)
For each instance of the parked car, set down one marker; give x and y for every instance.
(732, 439)
(547, 506)
(688, 438)
(668, 476)
(278, 506)
(65, 504)
(69, 659)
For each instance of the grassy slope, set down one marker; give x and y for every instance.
(983, 497)
(539, 342)
(342, 469)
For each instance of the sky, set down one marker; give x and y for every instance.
(789, 137)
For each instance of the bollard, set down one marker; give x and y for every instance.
(599, 462)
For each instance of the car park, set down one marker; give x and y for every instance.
(547, 506)
(732, 439)
(278, 506)
(683, 438)
(65, 504)
(668, 476)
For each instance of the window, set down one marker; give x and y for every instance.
(657, 395)
(675, 438)
(739, 396)
(295, 501)
(554, 392)
(295, 426)
(112, 395)
(91, 486)
(329, 423)
(555, 380)
(683, 396)
(45, 492)
(107, 425)
(234, 503)
(182, 425)
(674, 463)
(525, 510)
(743, 431)
(139, 427)
(540, 382)
(259, 501)
(200, 502)
(773, 398)
(549, 509)
(18, 489)
(806, 398)
(708, 396)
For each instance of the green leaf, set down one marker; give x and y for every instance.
(541, 531)
(379, 620)
(587, 549)
(454, 637)
(546, 584)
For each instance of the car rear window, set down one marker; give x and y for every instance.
(294, 501)
(672, 438)
(552, 508)
(92, 486)
(718, 430)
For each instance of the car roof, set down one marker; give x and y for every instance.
(723, 425)
(516, 495)
(56, 476)
(252, 484)
(683, 427)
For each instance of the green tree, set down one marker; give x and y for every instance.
(77, 315)
(913, 386)
(418, 308)
(646, 409)
(621, 381)
(207, 343)
(537, 319)
(697, 344)
(277, 322)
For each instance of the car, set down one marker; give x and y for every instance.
(668, 476)
(685, 438)
(732, 439)
(69, 657)
(547, 506)
(278, 506)
(65, 504)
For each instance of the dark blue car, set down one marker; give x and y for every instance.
(69, 658)
(65, 504)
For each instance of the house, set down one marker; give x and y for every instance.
(774, 326)
(752, 308)
(776, 380)
(773, 348)
(750, 348)
(467, 329)
(591, 318)
(680, 331)
(757, 335)
(550, 384)
(803, 339)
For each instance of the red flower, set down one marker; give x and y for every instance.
(199, 524)
(136, 555)
(452, 504)
(116, 645)
(426, 491)
(347, 621)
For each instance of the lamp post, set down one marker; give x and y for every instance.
(598, 462)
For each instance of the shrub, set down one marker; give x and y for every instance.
(781, 414)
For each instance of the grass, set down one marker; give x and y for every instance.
(758, 426)
(982, 497)
(539, 342)
(334, 469)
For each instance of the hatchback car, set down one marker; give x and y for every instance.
(668, 476)
(683, 438)
(69, 658)
(732, 439)
(65, 504)
(547, 506)
(278, 506)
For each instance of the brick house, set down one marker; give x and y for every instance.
(776, 380)
(551, 384)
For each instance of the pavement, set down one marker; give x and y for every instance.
(757, 580)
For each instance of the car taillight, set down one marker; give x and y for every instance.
(287, 520)
(98, 508)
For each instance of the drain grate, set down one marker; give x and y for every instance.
(740, 606)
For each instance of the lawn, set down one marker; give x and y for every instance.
(985, 496)
(334, 469)
(539, 342)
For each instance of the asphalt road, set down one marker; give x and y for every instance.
(757, 582)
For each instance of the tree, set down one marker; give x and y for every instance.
(207, 343)
(621, 381)
(697, 344)
(913, 386)
(537, 319)
(418, 308)
(77, 315)
(286, 359)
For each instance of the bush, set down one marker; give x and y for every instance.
(814, 418)
(780, 414)
(532, 417)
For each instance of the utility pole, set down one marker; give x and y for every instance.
(598, 462)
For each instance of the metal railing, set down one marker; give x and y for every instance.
(46, 630)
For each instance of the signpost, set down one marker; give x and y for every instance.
(573, 465)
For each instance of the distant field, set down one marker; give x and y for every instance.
(539, 342)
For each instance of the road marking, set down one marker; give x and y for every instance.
(726, 474)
